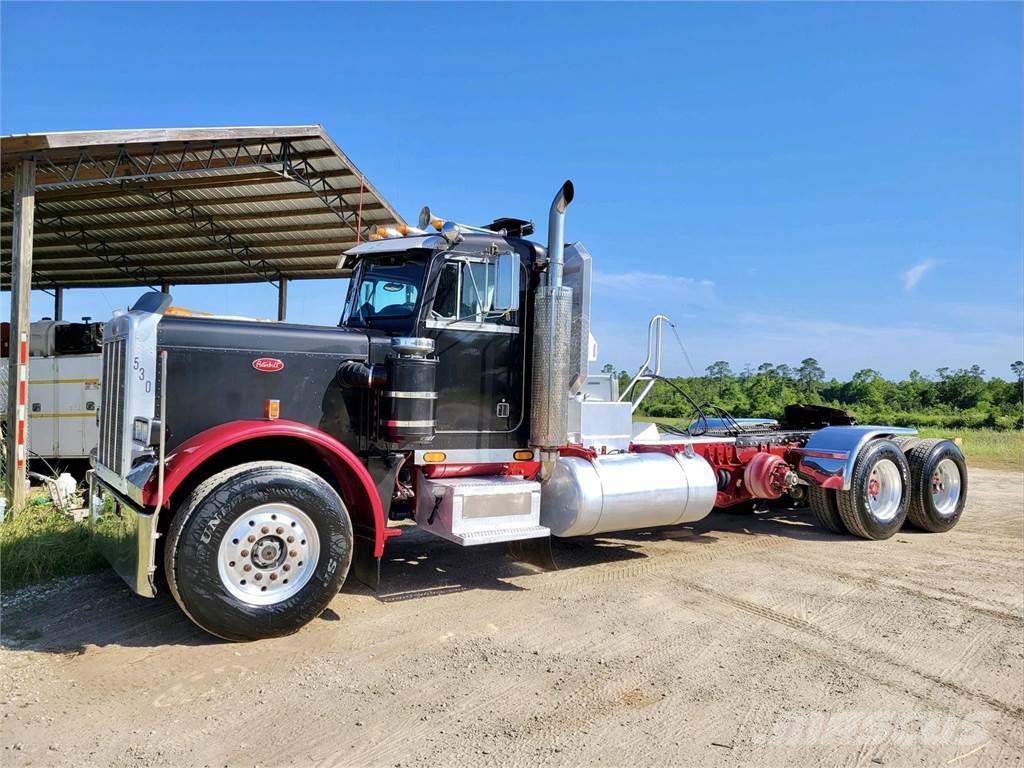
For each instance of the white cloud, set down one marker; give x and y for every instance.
(913, 275)
(645, 286)
(750, 337)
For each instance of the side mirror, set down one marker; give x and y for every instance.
(506, 283)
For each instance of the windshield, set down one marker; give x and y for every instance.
(383, 291)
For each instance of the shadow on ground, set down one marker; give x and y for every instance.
(99, 610)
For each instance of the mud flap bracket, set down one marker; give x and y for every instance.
(536, 552)
(365, 567)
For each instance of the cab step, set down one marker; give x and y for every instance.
(480, 510)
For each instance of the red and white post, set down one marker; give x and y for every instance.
(21, 285)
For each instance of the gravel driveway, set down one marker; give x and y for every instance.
(738, 640)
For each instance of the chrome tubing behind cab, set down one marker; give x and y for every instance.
(646, 374)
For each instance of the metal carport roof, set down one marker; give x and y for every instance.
(188, 205)
(160, 207)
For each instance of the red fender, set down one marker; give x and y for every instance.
(354, 479)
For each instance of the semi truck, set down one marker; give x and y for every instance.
(253, 467)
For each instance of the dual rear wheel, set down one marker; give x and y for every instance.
(895, 481)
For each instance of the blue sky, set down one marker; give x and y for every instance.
(842, 181)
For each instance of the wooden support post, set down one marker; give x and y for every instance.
(58, 303)
(165, 288)
(282, 298)
(17, 375)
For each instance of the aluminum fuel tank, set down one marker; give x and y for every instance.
(627, 491)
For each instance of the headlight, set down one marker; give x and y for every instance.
(140, 431)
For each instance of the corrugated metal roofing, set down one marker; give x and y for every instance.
(189, 205)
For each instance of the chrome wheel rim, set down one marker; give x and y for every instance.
(946, 485)
(884, 490)
(268, 554)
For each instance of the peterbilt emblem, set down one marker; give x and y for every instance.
(267, 364)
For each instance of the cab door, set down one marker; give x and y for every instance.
(479, 342)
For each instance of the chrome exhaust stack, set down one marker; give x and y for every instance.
(556, 233)
(552, 342)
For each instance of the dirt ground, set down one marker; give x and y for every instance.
(738, 640)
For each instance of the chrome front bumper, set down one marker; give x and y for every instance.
(124, 534)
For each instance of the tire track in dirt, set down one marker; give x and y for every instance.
(582, 694)
(866, 660)
(598, 576)
(513, 697)
(978, 643)
(564, 726)
(416, 726)
(949, 594)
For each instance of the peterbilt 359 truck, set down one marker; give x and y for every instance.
(259, 464)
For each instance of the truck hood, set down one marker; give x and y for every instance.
(263, 337)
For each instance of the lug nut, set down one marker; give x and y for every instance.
(251, 538)
(293, 553)
(259, 576)
(245, 553)
(287, 567)
(264, 529)
(246, 567)
(279, 531)
(273, 577)
(291, 539)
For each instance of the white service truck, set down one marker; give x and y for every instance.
(63, 390)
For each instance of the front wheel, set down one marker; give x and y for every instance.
(258, 550)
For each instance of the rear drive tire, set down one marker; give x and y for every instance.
(258, 550)
(875, 507)
(938, 474)
(825, 509)
(906, 443)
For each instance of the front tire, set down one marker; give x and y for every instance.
(875, 507)
(258, 550)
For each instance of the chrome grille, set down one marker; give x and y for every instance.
(111, 449)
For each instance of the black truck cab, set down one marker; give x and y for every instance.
(471, 299)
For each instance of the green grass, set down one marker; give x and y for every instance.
(985, 448)
(39, 543)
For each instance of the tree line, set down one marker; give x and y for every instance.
(961, 398)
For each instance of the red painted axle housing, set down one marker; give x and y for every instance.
(732, 464)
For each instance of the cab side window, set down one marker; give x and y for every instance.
(446, 299)
(465, 293)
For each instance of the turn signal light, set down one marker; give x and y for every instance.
(434, 457)
(271, 409)
(523, 455)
